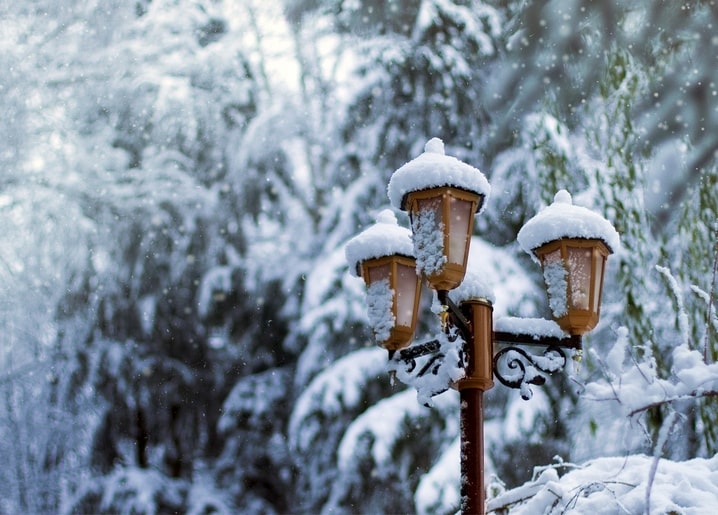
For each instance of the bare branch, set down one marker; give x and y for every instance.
(693, 395)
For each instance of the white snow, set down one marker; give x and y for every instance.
(474, 287)
(379, 300)
(384, 238)
(444, 373)
(555, 275)
(536, 327)
(562, 219)
(618, 485)
(433, 169)
(428, 238)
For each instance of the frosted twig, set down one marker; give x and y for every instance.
(660, 443)
(606, 373)
(713, 318)
(596, 486)
(560, 464)
(682, 315)
(709, 329)
(697, 394)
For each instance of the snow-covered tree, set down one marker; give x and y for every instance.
(180, 179)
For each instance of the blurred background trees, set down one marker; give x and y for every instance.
(178, 181)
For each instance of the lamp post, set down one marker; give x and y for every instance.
(442, 195)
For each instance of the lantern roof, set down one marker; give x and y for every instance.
(563, 219)
(434, 169)
(384, 238)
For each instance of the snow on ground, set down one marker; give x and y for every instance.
(614, 485)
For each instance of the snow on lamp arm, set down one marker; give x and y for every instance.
(383, 256)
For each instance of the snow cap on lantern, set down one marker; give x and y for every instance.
(384, 238)
(571, 243)
(442, 195)
(563, 219)
(383, 256)
(434, 169)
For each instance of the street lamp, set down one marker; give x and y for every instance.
(442, 195)
(572, 244)
(383, 256)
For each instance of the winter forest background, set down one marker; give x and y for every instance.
(179, 178)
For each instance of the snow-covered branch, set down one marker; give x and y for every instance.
(638, 388)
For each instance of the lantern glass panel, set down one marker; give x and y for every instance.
(377, 273)
(432, 207)
(598, 263)
(460, 220)
(406, 292)
(579, 274)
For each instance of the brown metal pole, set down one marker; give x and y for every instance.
(472, 452)
(479, 378)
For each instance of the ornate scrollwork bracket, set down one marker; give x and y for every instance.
(519, 359)
(517, 367)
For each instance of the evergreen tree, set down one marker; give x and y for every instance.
(179, 181)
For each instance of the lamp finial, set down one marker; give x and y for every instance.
(434, 146)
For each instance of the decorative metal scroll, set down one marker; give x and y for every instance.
(431, 367)
(516, 368)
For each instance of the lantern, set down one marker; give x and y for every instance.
(393, 292)
(442, 195)
(442, 220)
(572, 244)
(573, 272)
(383, 256)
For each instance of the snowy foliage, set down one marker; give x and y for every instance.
(180, 180)
(632, 484)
